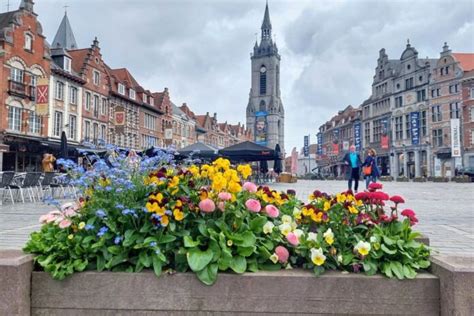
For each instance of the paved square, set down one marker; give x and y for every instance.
(445, 211)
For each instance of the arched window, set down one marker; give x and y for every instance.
(262, 106)
(263, 80)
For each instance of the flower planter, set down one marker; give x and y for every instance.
(386, 178)
(402, 179)
(419, 179)
(462, 179)
(440, 179)
(278, 292)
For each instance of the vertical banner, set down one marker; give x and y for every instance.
(455, 138)
(384, 140)
(335, 145)
(319, 137)
(42, 96)
(119, 119)
(306, 146)
(261, 128)
(357, 138)
(415, 127)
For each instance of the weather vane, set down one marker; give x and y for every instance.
(65, 8)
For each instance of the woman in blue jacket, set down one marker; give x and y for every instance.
(371, 161)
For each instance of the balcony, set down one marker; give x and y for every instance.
(21, 90)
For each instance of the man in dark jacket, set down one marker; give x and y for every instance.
(353, 163)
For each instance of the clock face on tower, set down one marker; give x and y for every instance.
(263, 69)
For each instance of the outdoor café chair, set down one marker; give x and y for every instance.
(7, 179)
(29, 184)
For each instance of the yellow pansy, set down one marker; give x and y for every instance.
(297, 213)
(234, 187)
(352, 209)
(178, 215)
(341, 198)
(286, 219)
(81, 225)
(151, 207)
(219, 182)
(362, 247)
(329, 236)
(317, 217)
(245, 170)
(327, 206)
(285, 229)
(174, 182)
(307, 211)
(268, 228)
(70, 236)
(317, 256)
(104, 182)
(165, 220)
(194, 170)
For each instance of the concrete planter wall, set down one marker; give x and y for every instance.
(447, 290)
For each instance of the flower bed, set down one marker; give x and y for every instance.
(138, 214)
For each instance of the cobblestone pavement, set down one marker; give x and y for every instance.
(445, 212)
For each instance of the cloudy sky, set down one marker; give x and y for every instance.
(200, 49)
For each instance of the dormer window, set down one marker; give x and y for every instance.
(121, 89)
(152, 101)
(28, 42)
(67, 64)
(131, 94)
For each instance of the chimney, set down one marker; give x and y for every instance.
(95, 43)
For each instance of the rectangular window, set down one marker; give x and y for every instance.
(398, 102)
(399, 128)
(96, 106)
(28, 42)
(103, 133)
(377, 130)
(421, 95)
(16, 75)
(423, 123)
(436, 114)
(150, 121)
(67, 64)
(472, 93)
(472, 114)
(437, 137)
(438, 92)
(409, 83)
(131, 94)
(96, 77)
(58, 123)
(121, 89)
(433, 93)
(103, 107)
(407, 126)
(367, 133)
(87, 130)
(59, 90)
(88, 101)
(263, 82)
(72, 95)
(14, 118)
(366, 111)
(72, 127)
(152, 101)
(454, 110)
(95, 132)
(472, 136)
(446, 70)
(34, 123)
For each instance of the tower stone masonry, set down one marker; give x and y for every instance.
(265, 113)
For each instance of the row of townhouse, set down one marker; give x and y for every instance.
(419, 117)
(51, 90)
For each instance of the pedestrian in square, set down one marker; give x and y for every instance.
(353, 164)
(369, 168)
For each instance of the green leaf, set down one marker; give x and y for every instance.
(245, 251)
(80, 265)
(389, 241)
(100, 263)
(166, 239)
(370, 267)
(115, 250)
(412, 244)
(87, 240)
(424, 264)
(148, 240)
(397, 269)
(115, 261)
(157, 265)
(270, 266)
(409, 272)
(144, 259)
(386, 269)
(257, 223)
(189, 242)
(198, 259)
(238, 264)
(245, 239)
(224, 262)
(386, 250)
(318, 270)
(347, 259)
(208, 275)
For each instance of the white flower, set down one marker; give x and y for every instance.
(268, 228)
(362, 248)
(298, 233)
(317, 256)
(285, 229)
(373, 239)
(274, 258)
(329, 236)
(339, 258)
(296, 212)
(293, 226)
(286, 219)
(311, 236)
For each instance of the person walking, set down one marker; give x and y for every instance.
(353, 163)
(48, 162)
(369, 168)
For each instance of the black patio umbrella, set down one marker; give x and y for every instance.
(264, 166)
(247, 151)
(64, 150)
(198, 150)
(277, 164)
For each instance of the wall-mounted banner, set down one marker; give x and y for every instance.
(455, 138)
(357, 138)
(119, 119)
(415, 127)
(261, 128)
(319, 137)
(306, 146)
(384, 140)
(168, 134)
(42, 96)
(335, 148)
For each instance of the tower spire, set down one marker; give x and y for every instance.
(266, 25)
(64, 36)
